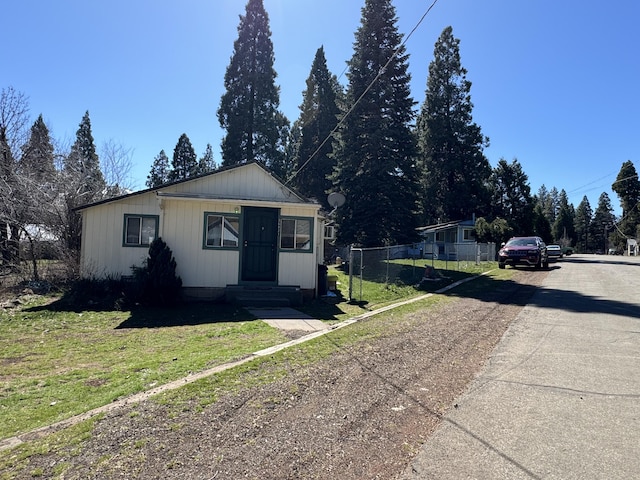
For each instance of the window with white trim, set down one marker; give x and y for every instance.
(221, 231)
(296, 234)
(140, 230)
(329, 232)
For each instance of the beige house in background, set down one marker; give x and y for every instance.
(237, 227)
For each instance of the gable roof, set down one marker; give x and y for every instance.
(445, 226)
(177, 192)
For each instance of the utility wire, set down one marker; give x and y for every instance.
(379, 74)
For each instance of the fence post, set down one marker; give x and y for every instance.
(386, 282)
(350, 273)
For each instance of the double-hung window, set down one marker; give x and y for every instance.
(296, 234)
(140, 230)
(221, 230)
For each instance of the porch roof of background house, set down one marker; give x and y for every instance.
(445, 226)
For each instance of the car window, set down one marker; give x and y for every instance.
(523, 242)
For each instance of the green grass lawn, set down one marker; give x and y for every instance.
(58, 362)
(378, 287)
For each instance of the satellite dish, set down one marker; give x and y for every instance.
(336, 199)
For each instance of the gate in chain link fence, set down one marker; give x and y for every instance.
(405, 264)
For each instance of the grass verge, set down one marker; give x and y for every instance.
(60, 363)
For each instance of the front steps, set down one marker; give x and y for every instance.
(264, 296)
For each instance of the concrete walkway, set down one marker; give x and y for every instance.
(286, 318)
(560, 397)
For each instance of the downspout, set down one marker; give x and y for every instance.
(161, 207)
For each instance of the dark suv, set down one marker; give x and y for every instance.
(530, 251)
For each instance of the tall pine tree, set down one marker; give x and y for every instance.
(563, 228)
(255, 129)
(548, 201)
(83, 165)
(185, 162)
(582, 226)
(376, 149)
(83, 182)
(160, 169)
(603, 223)
(511, 196)
(206, 163)
(455, 168)
(313, 157)
(627, 187)
(37, 159)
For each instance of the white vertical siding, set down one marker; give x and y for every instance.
(103, 253)
(181, 225)
(184, 229)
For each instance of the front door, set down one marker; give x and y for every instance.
(260, 244)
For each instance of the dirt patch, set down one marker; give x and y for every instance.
(361, 413)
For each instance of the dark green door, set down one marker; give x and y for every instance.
(260, 244)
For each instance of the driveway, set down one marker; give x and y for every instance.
(560, 397)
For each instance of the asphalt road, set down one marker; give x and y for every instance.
(560, 396)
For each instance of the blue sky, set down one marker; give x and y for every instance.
(554, 83)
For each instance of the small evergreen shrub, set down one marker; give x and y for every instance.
(156, 281)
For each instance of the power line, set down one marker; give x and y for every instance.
(590, 183)
(380, 72)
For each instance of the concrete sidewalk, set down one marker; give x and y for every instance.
(286, 318)
(560, 397)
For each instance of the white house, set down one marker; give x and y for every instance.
(237, 227)
(443, 240)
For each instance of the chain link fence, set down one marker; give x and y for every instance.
(405, 264)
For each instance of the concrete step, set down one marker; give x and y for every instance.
(264, 296)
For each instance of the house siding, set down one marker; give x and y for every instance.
(180, 209)
(103, 253)
(183, 232)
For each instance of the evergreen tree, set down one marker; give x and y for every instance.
(319, 111)
(82, 164)
(37, 159)
(451, 144)
(582, 225)
(294, 143)
(563, 228)
(603, 222)
(548, 201)
(83, 182)
(376, 150)
(185, 161)
(511, 196)
(541, 225)
(627, 187)
(280, 164)
(160, 170)
(206, 163)
(249, 108)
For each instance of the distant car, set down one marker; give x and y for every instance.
(554, 252)
(567, 250)
(531, 251)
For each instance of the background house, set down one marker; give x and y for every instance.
(454, 241)
(236, 227)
